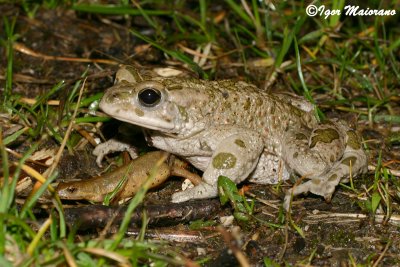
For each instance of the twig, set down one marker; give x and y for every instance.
(24, 49)
(172, 235)
(265, 202)
(382, 254)
(286, 231)
(394, 218)
(391, 171)
(243, 261)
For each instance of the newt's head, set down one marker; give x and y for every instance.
(75, 191)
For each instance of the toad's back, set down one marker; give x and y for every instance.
(241, 104)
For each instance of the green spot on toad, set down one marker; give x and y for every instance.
(224, 161)
(139, 112)
(325, 136)
(240, 143)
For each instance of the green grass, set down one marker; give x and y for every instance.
(335, 63)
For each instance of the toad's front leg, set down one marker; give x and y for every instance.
(235, 157)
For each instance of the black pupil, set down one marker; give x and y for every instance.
(149, 97)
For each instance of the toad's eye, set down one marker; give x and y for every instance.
(149, 97)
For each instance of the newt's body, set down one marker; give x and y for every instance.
(135, 173)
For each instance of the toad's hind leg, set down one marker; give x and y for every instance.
(352, 163)
(235, 157)
(312, 153)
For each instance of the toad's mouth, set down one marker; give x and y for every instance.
(145, 122)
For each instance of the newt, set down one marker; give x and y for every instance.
(136, 172)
